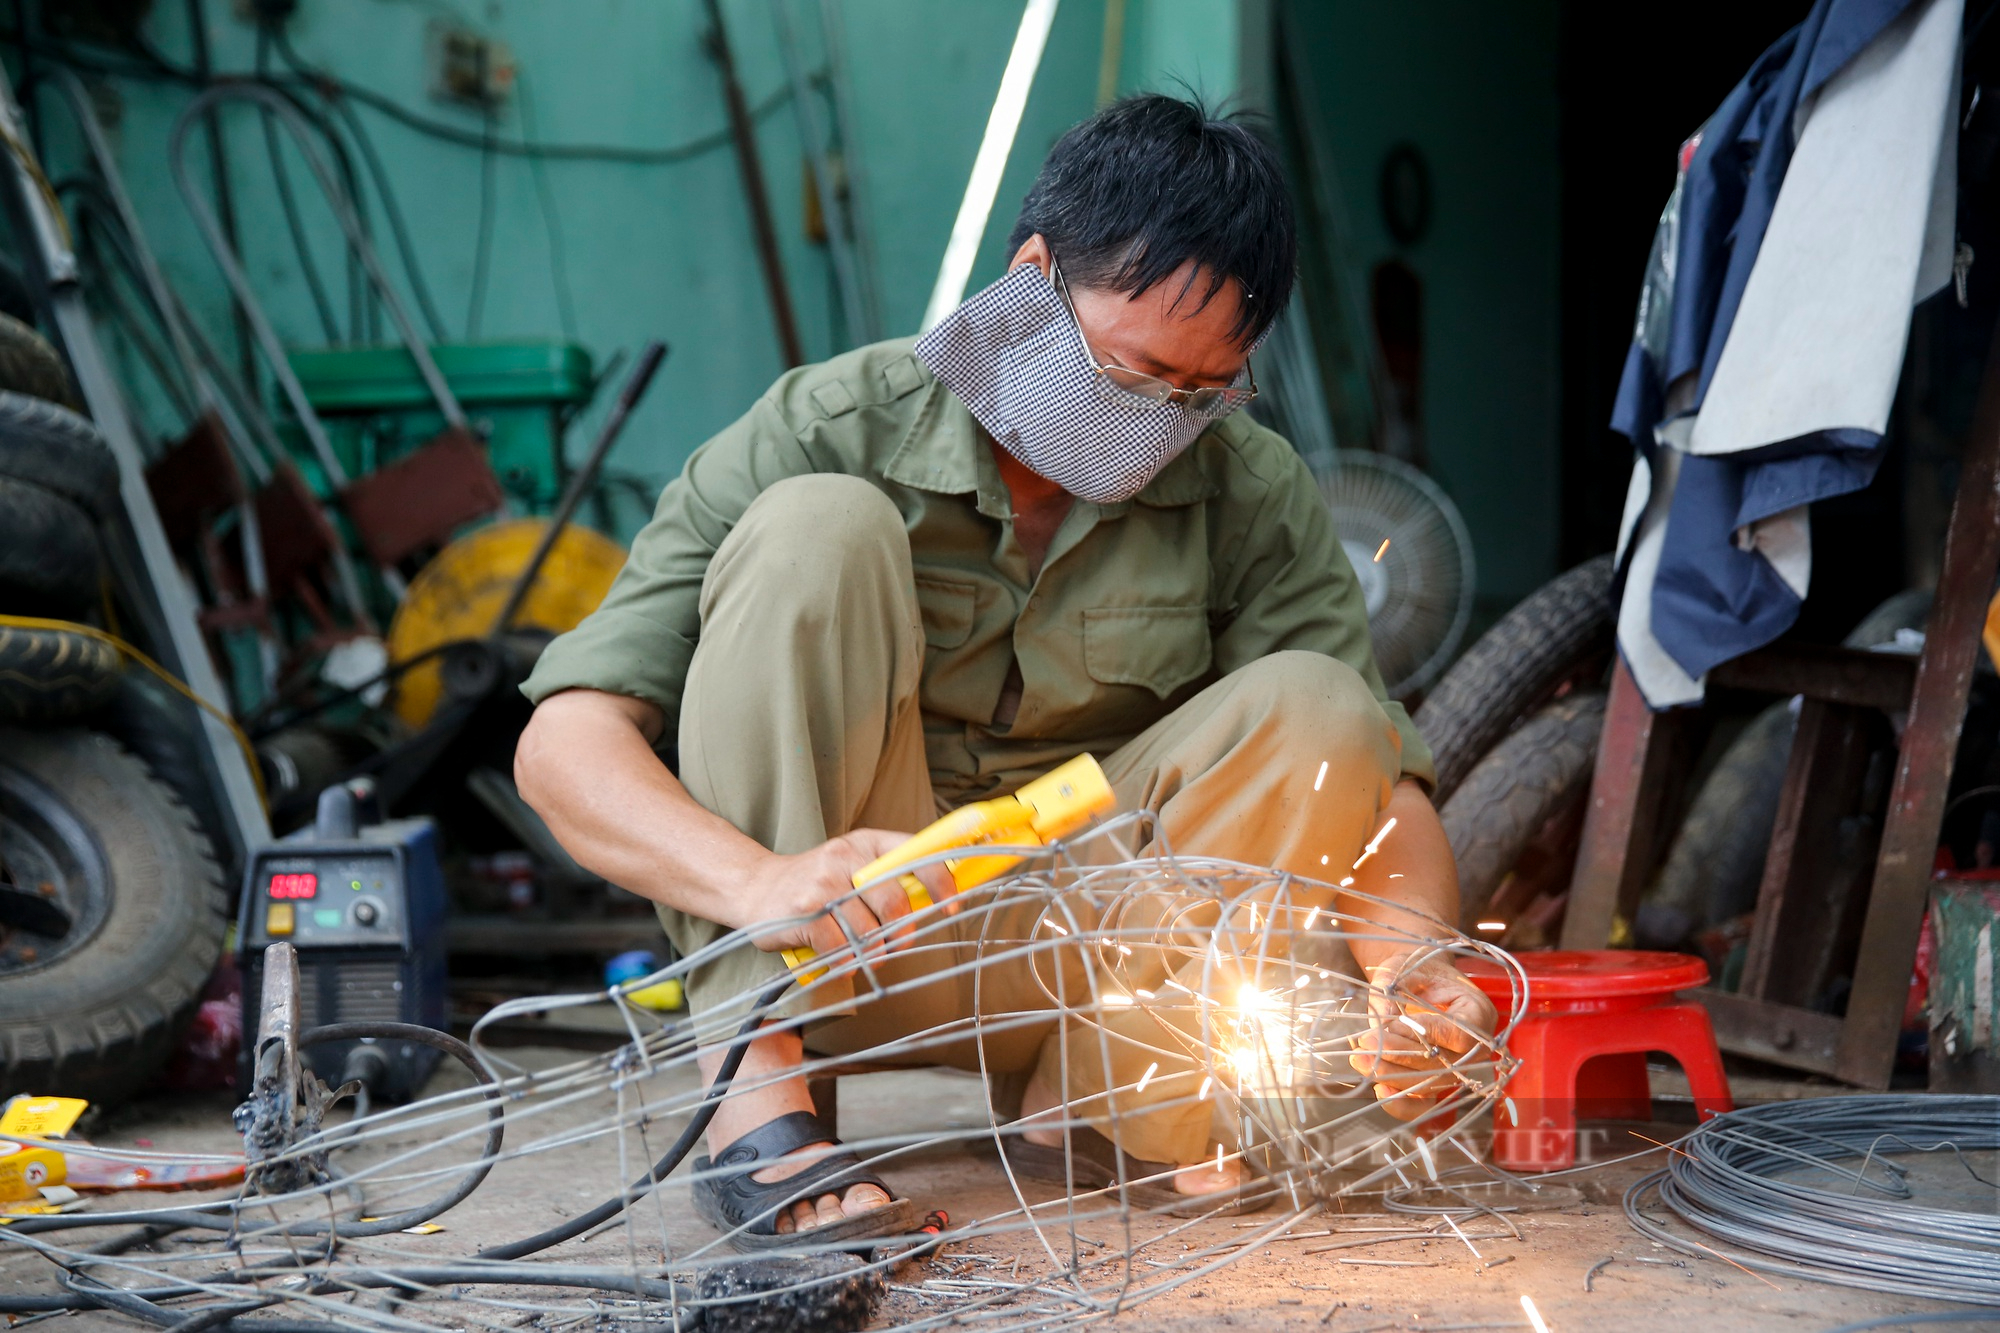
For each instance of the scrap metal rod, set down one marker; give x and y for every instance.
(583, 479)
(743, 133)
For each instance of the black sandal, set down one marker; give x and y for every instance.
(728, 1194)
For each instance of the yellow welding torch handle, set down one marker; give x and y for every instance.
(1055, 805)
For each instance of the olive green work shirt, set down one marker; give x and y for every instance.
(1227, 556)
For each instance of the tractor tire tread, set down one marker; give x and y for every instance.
(1515, 667)
(82, 1026)
(54, 675)
(1521, 783)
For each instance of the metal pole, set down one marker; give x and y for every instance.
(582, 480)
(345, 579)
(848, 133)
(743, 133)
(838, 245)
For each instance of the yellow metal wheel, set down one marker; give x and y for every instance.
(458, 595)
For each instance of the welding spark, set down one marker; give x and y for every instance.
(1493, 925)
(1346, 882)
(1534, 1315)
(1207, 1082)
(1376, 842)
(1147, 1077)
(1313, 915)
(1113, 1000)
(1322, 860)
(1460, 1234)
(1055, 927)
(1144, 994)
(1431, 1170)
(1322, 775)
(1218, 1159)
(1381, 550)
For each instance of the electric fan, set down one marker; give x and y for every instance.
(1413, 557)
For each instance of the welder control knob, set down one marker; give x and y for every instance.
(366, 913)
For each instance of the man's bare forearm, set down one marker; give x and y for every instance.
(586, 764)
(1411, 867)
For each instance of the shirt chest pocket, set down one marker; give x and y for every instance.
(947, 606)
(1159, 648)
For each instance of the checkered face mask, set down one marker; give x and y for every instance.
(1015, 357)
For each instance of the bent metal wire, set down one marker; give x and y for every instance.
(1251, 1004)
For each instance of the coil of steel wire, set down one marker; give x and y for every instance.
(1821, 1189)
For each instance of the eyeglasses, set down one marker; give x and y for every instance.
(1208, 400)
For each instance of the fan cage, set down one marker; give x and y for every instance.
(1428, 564)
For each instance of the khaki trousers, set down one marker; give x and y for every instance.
(800, 721)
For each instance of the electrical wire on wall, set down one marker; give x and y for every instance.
(551, 217)
(329, 102)
(482, 240)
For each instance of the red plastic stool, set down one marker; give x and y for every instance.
(1592, 1015)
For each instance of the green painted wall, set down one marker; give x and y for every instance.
(665, 250)
(1474, 87)
(649, 250)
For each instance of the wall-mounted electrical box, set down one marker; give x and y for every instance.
(467, 67)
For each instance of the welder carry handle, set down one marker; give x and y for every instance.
(1055, 805)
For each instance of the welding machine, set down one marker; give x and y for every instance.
(364, 905)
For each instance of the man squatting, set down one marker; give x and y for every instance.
(930, 570)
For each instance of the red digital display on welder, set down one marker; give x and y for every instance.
(294, 886)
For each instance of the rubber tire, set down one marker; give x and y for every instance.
(1558, 631)
(1716, 863)
(15, 299)
(1908, 609)
(164, 730)
(49, 558)
(29, 365)
(52, 675)
(299, 763)
(99, 1021)
(1526, 780)
(57, 450)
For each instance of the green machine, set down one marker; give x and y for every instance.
(377, 408)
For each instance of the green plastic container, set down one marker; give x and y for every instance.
(376, 409)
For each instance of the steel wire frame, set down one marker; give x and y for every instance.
(1737, 1178)
(1263, 1006)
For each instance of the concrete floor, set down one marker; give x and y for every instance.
(1431, 1285)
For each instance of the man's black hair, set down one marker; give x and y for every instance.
(1151, 183)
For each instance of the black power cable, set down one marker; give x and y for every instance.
(482, 244)
(328, 84)
(392, 209)
(696, 1126)
(488, 1266)
(496, 1116)
(281, 178)
(681, 152)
